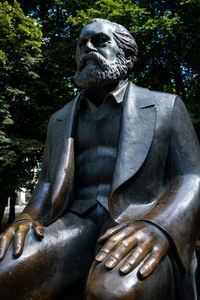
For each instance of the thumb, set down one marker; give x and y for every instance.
(38, 230)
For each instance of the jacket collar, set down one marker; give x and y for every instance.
(119, 92)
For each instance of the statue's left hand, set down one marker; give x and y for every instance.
(141, 240)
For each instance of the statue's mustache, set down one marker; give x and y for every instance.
(91, 56)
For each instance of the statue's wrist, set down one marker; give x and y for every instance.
(23, 217)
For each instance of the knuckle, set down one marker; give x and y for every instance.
(150, 262)
(105, 249)
(132, 260)
(113, 239)
(39, 227)
(4, 237)
(10, 230)
(22, 227)
(152, 239)
(18, 235)
(153, 263)
(140, 249)
(157, 249)
(108, 230)
(114, 256)
(124, 243)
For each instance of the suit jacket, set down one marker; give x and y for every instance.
(157, 172)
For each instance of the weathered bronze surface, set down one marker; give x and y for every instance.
(118, 196)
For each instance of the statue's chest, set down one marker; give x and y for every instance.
(98, 128)
(96, 142)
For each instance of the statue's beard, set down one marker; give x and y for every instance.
(99, 71)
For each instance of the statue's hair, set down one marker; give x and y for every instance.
(124, 40)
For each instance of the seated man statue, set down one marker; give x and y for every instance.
(119, 191)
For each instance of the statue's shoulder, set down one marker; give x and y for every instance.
(156, 94)
(162, 96)
(63, 112)
(159, 98)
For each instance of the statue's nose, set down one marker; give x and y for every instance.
(89, 46)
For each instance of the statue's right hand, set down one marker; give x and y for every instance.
(17, 232)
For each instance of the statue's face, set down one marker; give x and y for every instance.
(99, 59)
(98, 37)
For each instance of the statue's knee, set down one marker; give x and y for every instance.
(100, 292)
(110, 285)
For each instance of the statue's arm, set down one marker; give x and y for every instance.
(178, 210)
(33, 212)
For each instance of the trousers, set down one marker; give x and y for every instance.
(65, 256)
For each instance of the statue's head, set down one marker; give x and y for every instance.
(106, 52)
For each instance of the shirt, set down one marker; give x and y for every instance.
(96, 143)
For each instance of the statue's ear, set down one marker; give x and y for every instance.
(130, 62)
(131, 59)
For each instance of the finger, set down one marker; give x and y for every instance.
(5, 241)
(19, 239)
(137, 255)
(112, 242)
(38, 230)
(151, 263)
(111, 231)
(121, 251)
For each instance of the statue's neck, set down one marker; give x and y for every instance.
(97, 94)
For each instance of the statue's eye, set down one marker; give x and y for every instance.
(99, 40)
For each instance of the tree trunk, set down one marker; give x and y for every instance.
(179, 85)
(3, 203)
(12, 207)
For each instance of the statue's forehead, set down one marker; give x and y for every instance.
(96, 28)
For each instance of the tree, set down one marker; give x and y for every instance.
(20, 53)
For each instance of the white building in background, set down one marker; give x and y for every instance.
(23, 196)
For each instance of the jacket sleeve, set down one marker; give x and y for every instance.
(38, 204)
(178, 210)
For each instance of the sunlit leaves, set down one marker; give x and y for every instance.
(20, 54)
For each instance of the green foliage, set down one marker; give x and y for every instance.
(20, 53)
(20, 40)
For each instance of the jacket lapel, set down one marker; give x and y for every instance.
(136, 134)
(61, 187)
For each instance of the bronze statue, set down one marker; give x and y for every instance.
(119, 191)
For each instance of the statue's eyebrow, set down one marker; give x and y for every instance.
(95, 36)
(101, 34)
